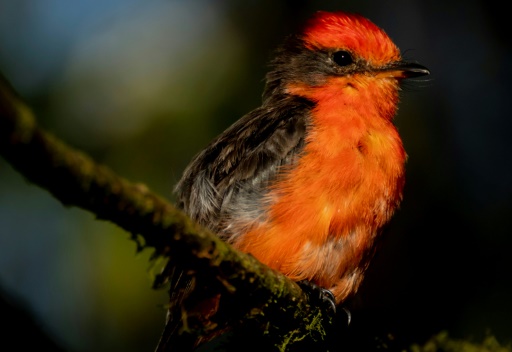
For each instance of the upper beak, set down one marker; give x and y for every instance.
(403, 69)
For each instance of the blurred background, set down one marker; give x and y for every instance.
(143, 85)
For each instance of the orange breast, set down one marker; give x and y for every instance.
(324, 214)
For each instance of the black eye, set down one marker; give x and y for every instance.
(342, 58)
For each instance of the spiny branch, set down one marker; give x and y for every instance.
(76, 180)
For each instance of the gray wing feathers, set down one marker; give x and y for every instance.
(228, 180)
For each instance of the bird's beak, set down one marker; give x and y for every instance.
(403, 69)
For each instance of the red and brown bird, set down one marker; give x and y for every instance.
(306, 181)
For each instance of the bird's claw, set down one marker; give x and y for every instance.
(349, 315)
(328, 297)
(319, 295)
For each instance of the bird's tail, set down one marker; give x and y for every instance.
(190, 314)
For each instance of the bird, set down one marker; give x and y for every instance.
(307, 181)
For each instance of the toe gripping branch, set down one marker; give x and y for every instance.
(319, 296)
(322, 297)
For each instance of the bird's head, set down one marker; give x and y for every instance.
(338, 49)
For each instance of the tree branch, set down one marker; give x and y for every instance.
(275, 304)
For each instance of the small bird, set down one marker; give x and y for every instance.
(306, 182)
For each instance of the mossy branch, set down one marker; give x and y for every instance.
(76, 180)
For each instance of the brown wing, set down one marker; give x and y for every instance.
(224, 185)
(226, 182)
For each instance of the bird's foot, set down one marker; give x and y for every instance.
(319, 295)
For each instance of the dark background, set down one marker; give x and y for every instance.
(144, 85)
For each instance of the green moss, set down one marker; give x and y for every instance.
(443, 342)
